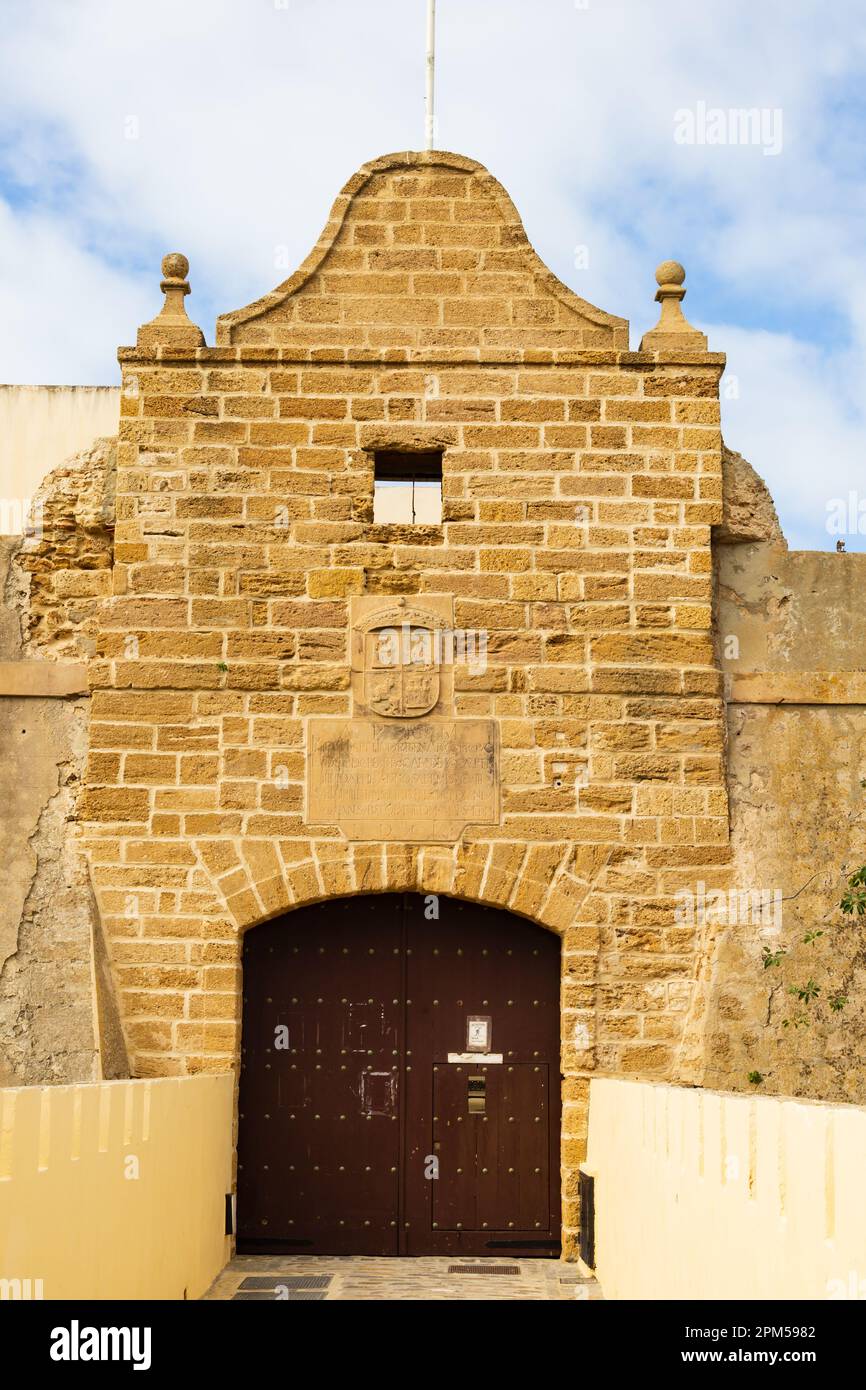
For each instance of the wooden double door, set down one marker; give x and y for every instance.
(400, 1082)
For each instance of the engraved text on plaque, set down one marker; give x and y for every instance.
(424, 781)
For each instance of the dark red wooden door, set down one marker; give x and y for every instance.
(493, 1158)
(366, 1124)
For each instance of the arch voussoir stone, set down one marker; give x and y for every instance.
(335, 865)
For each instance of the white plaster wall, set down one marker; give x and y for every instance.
(40, 426)
(116, 1190)
(701, 1194)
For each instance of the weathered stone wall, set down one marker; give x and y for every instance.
(66, 560)
(799, 819)
(46, 987)
(748, 512)
(58, 1017)
(580, 485)
(790, 611)
(797, 784)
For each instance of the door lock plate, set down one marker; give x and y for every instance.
(477, 1092)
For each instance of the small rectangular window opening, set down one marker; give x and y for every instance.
(407, 488)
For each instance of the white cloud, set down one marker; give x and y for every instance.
(796, 421)
(63, 311)
(251, 115)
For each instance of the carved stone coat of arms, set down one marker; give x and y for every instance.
(400, 662)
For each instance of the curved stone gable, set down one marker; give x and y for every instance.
(424, 251)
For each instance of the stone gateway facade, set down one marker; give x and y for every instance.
(532, 705)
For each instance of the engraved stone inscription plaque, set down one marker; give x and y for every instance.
(422, 782)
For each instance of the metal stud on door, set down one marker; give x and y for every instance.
(319, 1129)
(493, 1170)
(375, 1115)
(483, 1093)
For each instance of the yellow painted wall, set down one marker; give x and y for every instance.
(40, 427)
(707, 1195)
(70, 1215)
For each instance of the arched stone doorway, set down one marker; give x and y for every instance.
(400, 1081)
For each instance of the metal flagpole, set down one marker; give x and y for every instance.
(431, 70)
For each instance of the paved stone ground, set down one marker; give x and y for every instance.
(357, 1278)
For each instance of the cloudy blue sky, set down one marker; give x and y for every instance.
(224, 129)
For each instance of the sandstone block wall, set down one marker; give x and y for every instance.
(580, 485)
(594, 528)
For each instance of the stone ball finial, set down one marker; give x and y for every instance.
(175, 266)
(670, 273)
(673, 330)
(172, 327)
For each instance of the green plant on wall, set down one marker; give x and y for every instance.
(771, 958)
(854, 898)
(811, 992)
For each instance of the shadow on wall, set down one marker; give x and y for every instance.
(771, 1186)
(135, 1175)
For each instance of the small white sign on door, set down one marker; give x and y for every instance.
(479, 1028)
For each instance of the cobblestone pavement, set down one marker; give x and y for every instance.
(353, 1278)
